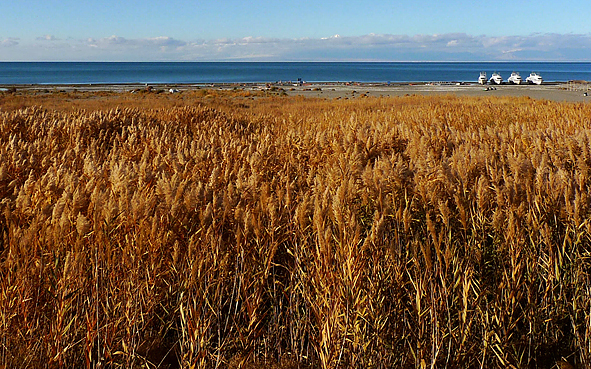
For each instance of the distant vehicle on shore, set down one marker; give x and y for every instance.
(482, 78)
(515, 78)
(496, 79)
(534, 78)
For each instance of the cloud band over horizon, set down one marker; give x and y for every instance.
(371, 47)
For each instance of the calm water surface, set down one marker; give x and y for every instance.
(235, 72)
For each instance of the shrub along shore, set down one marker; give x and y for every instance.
(230, 229)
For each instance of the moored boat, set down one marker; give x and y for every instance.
(534, 78)
(482, 78)
(515, 78)
(496, 79)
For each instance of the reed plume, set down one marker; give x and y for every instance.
(221, 230)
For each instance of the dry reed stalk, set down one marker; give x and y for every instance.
(398, 232)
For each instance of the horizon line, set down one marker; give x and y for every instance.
(298, 61)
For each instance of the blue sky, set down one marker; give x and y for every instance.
(295, 30)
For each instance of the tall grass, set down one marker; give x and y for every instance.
(401, 232)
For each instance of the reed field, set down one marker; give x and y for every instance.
(227, 229)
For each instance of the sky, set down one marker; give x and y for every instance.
(267, 30)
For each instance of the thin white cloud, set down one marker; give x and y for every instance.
(451, 46)
(10, 41)
(118, 42)
(47, 38)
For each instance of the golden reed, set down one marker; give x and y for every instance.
(218, 229)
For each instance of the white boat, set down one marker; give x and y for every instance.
(534, 78)
(496, 79)
(482, 78)
(515, 78)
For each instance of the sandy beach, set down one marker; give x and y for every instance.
(554, 92)
(550, 91)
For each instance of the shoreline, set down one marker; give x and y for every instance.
(554, 91)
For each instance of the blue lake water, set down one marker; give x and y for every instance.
(235, 72)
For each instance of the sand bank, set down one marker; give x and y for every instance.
(330, 90)
(554, 92)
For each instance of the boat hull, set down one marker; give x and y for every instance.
(534, 79)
